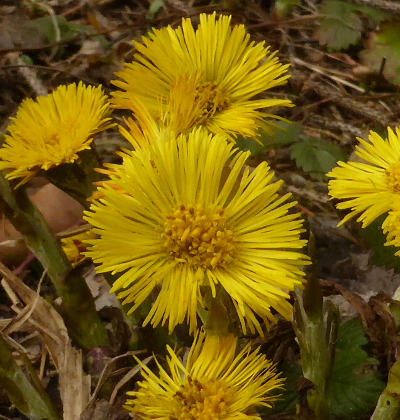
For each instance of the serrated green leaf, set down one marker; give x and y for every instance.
(281, 134)
(385, 50)
(316, 156)
(340, 25)
(355, 384)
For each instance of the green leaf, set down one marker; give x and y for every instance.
(373, 13)
(316, 156)
(281, 134)
(47, 29)
(340, 26)
(355, 384)
(154, 8)
(385, 50)
(284, 7)
(26, 59)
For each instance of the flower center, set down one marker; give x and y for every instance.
(197, 401)
(393, 177)
(198, 237)
(210, 99)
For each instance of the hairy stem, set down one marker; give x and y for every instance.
(79, 310)
(315, 325)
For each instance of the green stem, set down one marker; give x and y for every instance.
(28, 396)
(215, 317)
(80, 314)
(315, 325)
(76, 179)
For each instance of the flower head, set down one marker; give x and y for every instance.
(204, 77)
(52, 129)
(212, 384)
(370, 187)
(186, 214)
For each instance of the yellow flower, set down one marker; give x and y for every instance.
(144, 130)
(74, 246)
(204, 77)
(370, 187)
(212, 385)
(187, 213)
(52, 129)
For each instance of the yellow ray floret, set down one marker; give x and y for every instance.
(207, 76)
(391, 227)
(74, 247)
(52, 129)
(213, 384)
(187, 213)
(371, 187)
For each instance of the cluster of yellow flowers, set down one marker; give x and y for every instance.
(371, 185)
(183, 220)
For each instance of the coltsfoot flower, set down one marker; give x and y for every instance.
(187, 213)
(53, 129)
(204, 77)
(371, 187)
(213, 384)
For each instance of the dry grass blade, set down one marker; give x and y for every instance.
(74, 383)
(127, 378)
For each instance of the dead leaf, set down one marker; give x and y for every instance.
(74, 383)
(377, 319)
(59, 210)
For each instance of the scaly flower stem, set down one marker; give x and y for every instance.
(315, 324)
(27, 395)
(215, 318)
(80, 313)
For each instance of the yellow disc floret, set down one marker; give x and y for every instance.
(198, 237)
(210, 100)
(201, 400)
